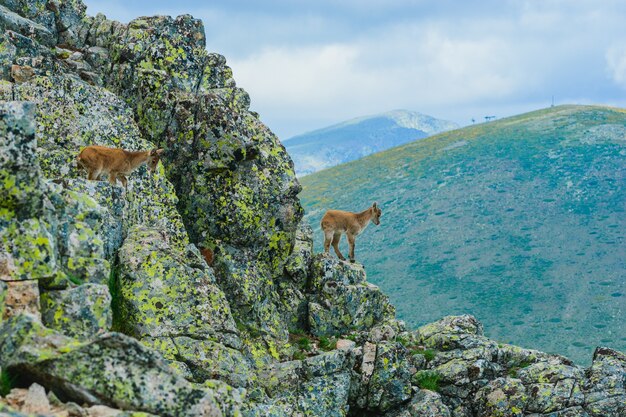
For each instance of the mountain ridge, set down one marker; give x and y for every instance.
(358, 137)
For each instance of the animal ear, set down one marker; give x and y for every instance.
(160, 151)
(374, 205)
(152, 152)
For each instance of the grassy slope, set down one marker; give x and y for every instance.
(519, 221)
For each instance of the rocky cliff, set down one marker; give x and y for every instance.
(107, 301)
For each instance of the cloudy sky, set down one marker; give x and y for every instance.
(311, 63)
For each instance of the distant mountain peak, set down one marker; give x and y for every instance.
(359, 137)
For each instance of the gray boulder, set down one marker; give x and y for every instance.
(112, 369)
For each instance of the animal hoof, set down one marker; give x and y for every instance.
(352, 261)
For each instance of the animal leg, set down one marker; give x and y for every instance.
(351, 240)
(112, 178)
(336, 238)
(124, 181)
(93, 175)
(328, 237)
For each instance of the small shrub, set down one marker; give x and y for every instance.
(513, 370)
(298, 355)
(403, 341)
(7, 383)
(429, 354)
(427, 380)
(351, 336)
(327, 343)
(74, 279)
(304, 343)
(296, 332)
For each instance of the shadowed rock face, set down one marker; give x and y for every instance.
(270, 329)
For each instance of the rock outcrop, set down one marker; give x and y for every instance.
(106, 299)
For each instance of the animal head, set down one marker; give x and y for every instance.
(376, 213)
(153, 159)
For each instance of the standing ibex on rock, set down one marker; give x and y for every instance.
(336, 222)
(118, 163)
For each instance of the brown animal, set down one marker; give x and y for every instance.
(208, 255)
(118, 163)
(336, 222)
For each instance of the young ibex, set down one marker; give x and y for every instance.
(336, 222)
(118, 163)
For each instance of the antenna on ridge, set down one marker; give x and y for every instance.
(552, 102)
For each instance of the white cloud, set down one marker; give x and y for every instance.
(335, 81)
(309, 64)
(616, 64)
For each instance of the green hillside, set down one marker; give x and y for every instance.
(519, 221)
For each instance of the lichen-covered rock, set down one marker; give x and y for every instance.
(326, 395)
(502, 397)
(383, 377)
(10, 20)
(316, 386)
(21, 297)
(46, 232)
(172, 296)
(292, 287)
(112, 369)
(81, 312)
(80, 236)
(253, 297)
(26, 244)
(231, 400)
(185, 100)
(166, 292)
(210, 360)
(452, 332)
(152, 83)
(423, 404)
(61, 20)
(552, 386)
(110, 221)
(342, 300)
(297, 265)
(20, 175)
(605, 386)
